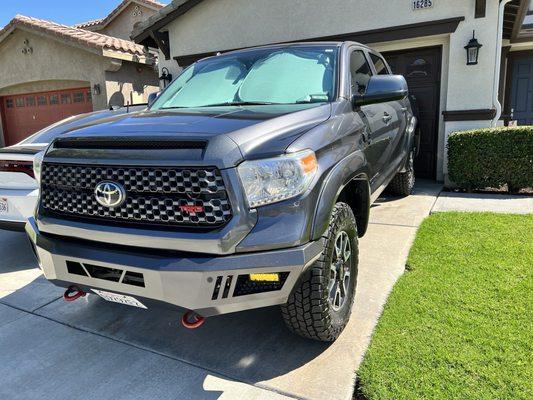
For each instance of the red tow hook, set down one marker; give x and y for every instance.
(191, 320)
(73, 293)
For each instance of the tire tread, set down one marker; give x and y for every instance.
(307, 311)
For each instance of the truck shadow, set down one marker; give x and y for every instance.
(251, 346)
(15, 252)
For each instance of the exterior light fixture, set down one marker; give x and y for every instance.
(166, 76)
(97, 89)
(472, 50)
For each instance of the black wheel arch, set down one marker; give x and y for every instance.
(347, 182)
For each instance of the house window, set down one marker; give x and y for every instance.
(30, 101)
(41, 100)
(89, 97)
(379, 63)
(419, 68)
(19, 101)
(54, 99)
(9, 103)
(78, 97)
(65, 98)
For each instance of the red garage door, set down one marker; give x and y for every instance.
(25, 114)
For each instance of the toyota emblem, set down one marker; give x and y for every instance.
(110, 194)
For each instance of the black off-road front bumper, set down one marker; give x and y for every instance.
(207, 284)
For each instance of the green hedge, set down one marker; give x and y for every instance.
(492, 158)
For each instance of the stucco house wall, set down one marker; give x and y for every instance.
(122, 25)
(51, 60)
(131, 84)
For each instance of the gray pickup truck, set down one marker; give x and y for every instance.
(246, 184)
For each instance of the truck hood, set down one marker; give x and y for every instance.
(255, 131)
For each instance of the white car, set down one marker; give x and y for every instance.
(18, 187)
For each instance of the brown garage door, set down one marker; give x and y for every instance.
(25, 114)
(422, 70)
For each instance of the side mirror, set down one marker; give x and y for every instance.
(152, 97)
(382, 88)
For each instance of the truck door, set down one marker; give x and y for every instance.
(361, 73)
(394, 118)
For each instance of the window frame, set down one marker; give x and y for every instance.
(53, 99)
(41, 96)
(387, 67)
(81, 97)
(352, 50)
(65, 96)
(30, 101)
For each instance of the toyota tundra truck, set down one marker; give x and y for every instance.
(245, 184)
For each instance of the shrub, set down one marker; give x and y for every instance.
(491, 158)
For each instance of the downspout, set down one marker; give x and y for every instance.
(497, 66)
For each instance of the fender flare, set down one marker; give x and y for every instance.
(353, 167)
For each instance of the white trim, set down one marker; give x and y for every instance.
(497, 65)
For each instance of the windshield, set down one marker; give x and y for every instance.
(290, 75)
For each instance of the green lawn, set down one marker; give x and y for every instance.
(459, 323)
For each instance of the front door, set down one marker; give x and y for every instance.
(421, 68)
(522, 91)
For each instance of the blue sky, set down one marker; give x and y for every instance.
(66, 12)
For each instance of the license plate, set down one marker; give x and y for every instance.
(4, 209)
(119, 298)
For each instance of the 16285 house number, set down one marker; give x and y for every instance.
(421, 4)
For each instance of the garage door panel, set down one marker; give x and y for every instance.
(26, 114)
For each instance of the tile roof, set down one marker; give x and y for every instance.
(88, 24)
(101, 22)
(76, 35)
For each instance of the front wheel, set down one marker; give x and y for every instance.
(403, 183)
(320, 305)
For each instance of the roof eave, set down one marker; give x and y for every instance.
(167, 14)
(95, 49)
(141, 59)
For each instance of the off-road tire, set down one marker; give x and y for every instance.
(308, 311)
(403, 182)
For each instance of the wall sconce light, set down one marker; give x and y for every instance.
(472, 50)
(97, 90)
(166, 76)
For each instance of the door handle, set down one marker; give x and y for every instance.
(387, 118)
(366, 135)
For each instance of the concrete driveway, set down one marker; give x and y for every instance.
(98, 350)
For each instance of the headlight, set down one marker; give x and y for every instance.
(275, 179)
(37, 164)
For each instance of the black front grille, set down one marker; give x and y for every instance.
(154, 195)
